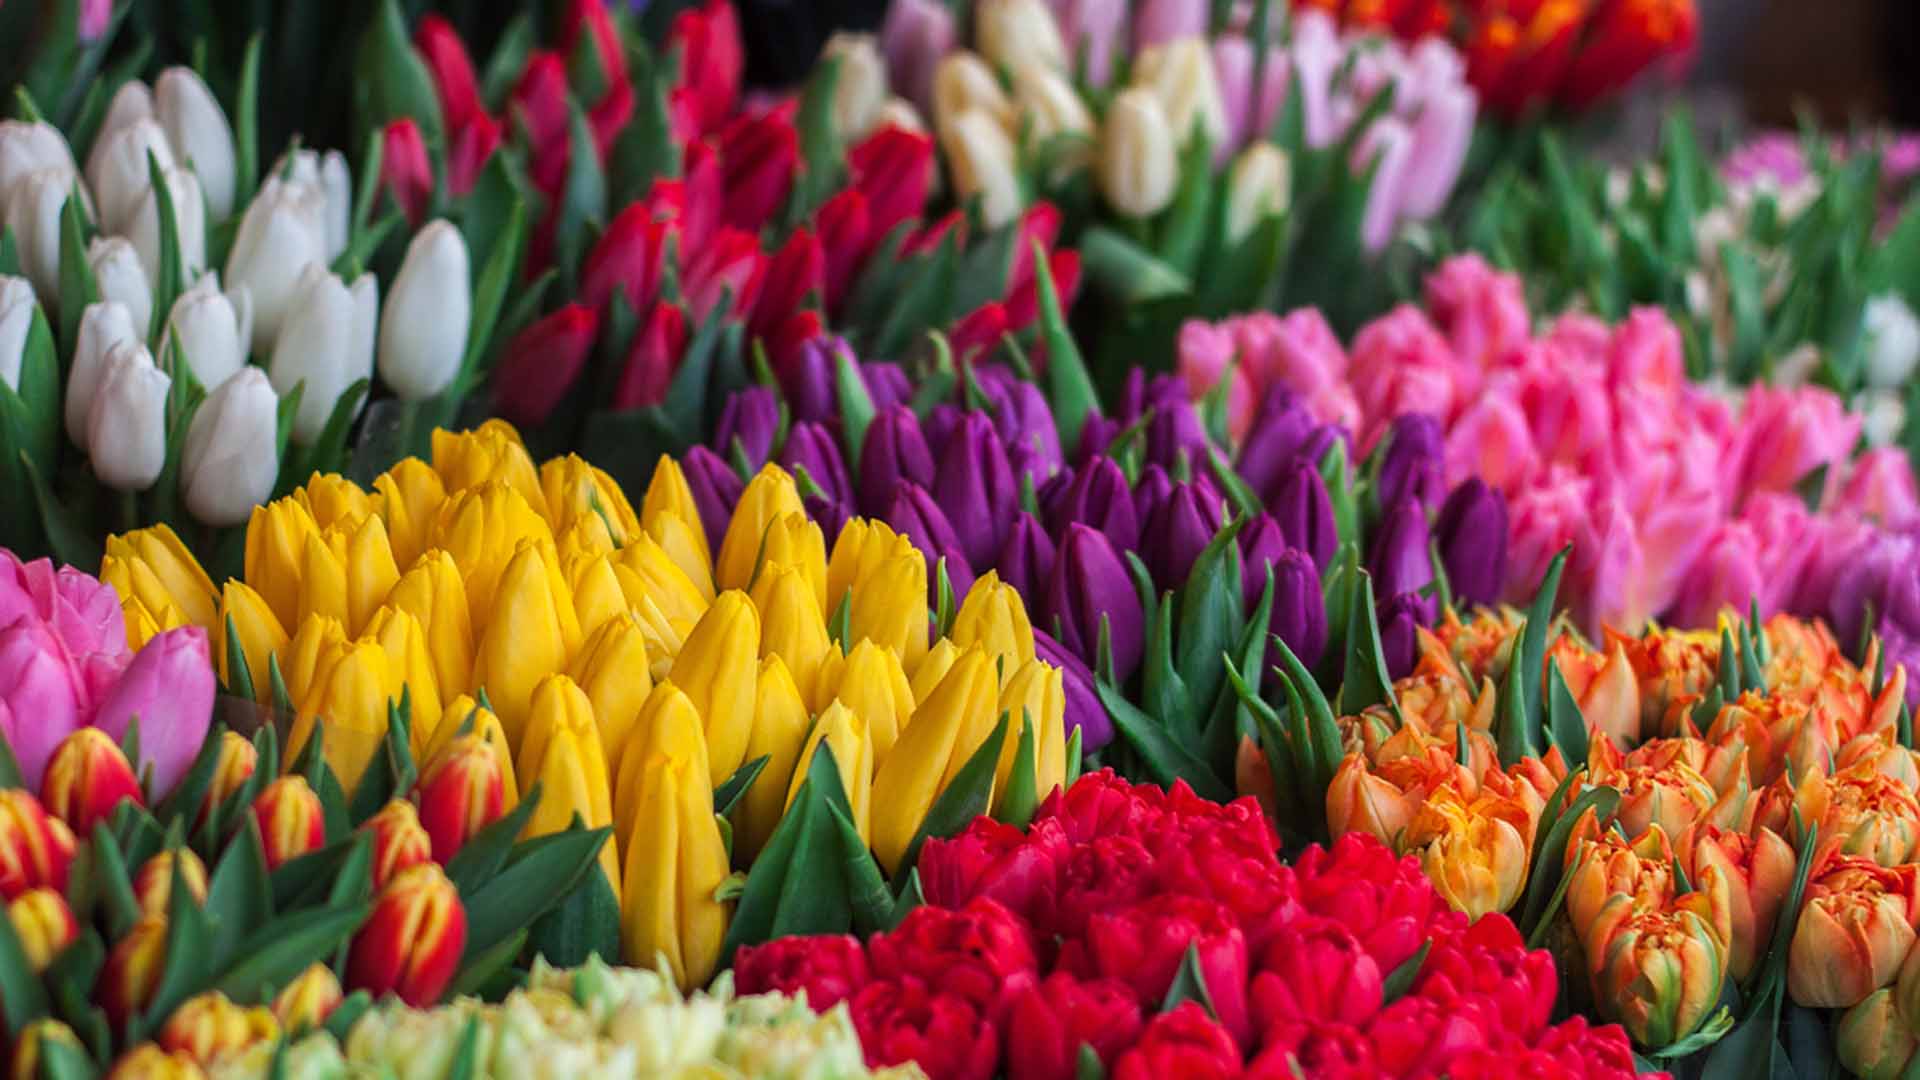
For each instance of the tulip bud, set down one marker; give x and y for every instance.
(350, 688)
(43, 924)
(463, 788)
(189, 222)
(1259, 187)
(32, 210)
(17, 308)
(1387, 148)
(153, 885)
(963, 82)
(1091, 586)
(127, 421)
(209, 1026)
(543, 361)
(230, 461)
(212, 331)
(148, 1062)
(950, 723)
(26, 147)
(117, 171)
(283, 230)
(1873, 1041)
(1016, 34)
(531, 631)
(231, 771)
(424, 327)
(307, 1001)
(36, 849)
(872, 683)
(674, 866)
(1855, 929)
(1052, 112)
(290, 819)
(411, 943)
(103, 325)
(562, 752)
(325, 174)
(326, 343)
(982, 159)
(86, 779)
(1139, 165)
(154, 565)
(994, 618)
(860, 85)
(1661, 970)
(132, 972)
(198, 131)
(717, 670)
(1034, 692)
(1893, 339)
(780, 729)
(848, 737)
(405, 169)
(399, 841)
(117, 273)
(27, 1054)
(768, 498)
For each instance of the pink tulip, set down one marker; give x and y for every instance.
(1249, 116)
(1091, 28)
(1787, 434)
(1482, 311)
(83, 613)
(1204, 353)
(1318, 53)
(1787, 537)
(1566, 405)
(1543, 518)
(1646, 351)
(1582, 335)
(94, 17)
(1608, 580)
(1727, 574)
(1881, 488)
(1400, 363)
(38, 685)
(169, 686)
(916, 34)
(1442, 132)
(1492, 440)
(1156, 22)
(1387, 148)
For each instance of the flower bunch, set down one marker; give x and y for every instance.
(1151, 930)
(1524, 56)
(1677, 502)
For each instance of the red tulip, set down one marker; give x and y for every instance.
(36, 848)
(399, 841)
(468, 152)
(628, 257)
(830, 968)
(87, 777)
(290, 818)
(732, 264)
(405, 170)
(1023, 304)
(608, 118)
(702, 199)
(711, 63)
(979, 329)
(460, 792)
(759, 153)
(1048, 1022)
(591, 17)
(1622, 40)
(439, 45)
(651, 362)
(411, 944)
(542, 363)
(796, 272)
(792, 337)
(133, 970)
(1520, 60)
(846, 239)
(893, 169)
(931, 236)
(1040, 224)
(540, 103)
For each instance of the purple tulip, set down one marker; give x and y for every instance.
(812, 447)
(40, 691)
(1026, 560)
(169, 686)
(1399, 560)
(1152, 489)
(916, 516)
(1097, 496)
(1442, 134)
(1472, 534)
(1412, 463)
(1084, 710)
(939, 425)
(1299, 615)
(1883, 577)
(1281, 431)
(1025, 422)
(895, 450)
(1133, 396)
(1902, 647)
(716, 489)
(886, 384)
(1400, 620)
(830, 515)
(753, 417)
(1090, 584)
(1095, 438)
(916, 34)
(1261, 544)
(808, 381)
(1092, 27)
(1156, 22)
(1248, 119)
(1180, 528)
(975, 485)
(1299, 502)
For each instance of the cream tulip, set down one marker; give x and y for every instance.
(118, 174)
(1138, 164)
(1019, 33)
(983, 163)
(327, 174)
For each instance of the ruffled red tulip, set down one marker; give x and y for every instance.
(759, 153)
(711, 64)
(36, 848)
(1048, 1022)
(796, 272)
(629, 256)
(411, 943)
(1186, 1043)
(405, 170)
(846, 239)
(439, 45)
(948, 1036)
(829, 968)
(290, 818)
(981, 952)
(1315, 972)
(989, 859)
(893, 169)
(1145, 944)
(87, 777)
(654, 357)
(542, 363)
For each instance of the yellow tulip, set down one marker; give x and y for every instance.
(411, 495)
(794, 541)
(410, 667)
(482, 528)
(863, 544)
(142, 624)
(349, 692)
(1035, 691)
(584, 536)
(313, 639)
(716, 669)
(669, 496)
(948, 726)
(158, 569)
(595, 585)
(993, 617)
(276, 545)
(779, 730)
(669, 727)
(259, 634)
(562, 752)
(612, 668)
(769, 497)
(574, 489)
(871, 682)
(846, 733)
(347, 572)
(1474, 849)
(531, 634)
(333, 500)
(792, 629)
(933, 667)
(432, 592)
(645, 569)
(673, 869)
(890, 609)
(487, 726)
(490, 453)
(687, 547)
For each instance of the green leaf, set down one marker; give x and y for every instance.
(965, 798)
(465, 1059)
(1565, 722)
(1550, 849)
(1533, 650)
(735, 787)
(246, 126)
(1164, 758)
(910, 897)
(820, 148)
(478, 970)
(538, 875)
(1400, 979)
(1118, 267)
(1189, 984)
(1087, 1064)
(390, 79)
(813, 898)
(584, 924)
(10, 774)
(1365, 681)
(1070, 390)
(1022, 798)
(114, 886)
(78, 288)
(759, 902)
(489, 293)
(856, 404)
(19, 987)
(482, 856)
(190, 939)
(239, 892)
(167, 283)
(583, 203)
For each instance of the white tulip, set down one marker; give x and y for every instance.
(423, 328)
(189, 221)
(899, 112)
(230, 460)
(366, 324)
(316, 348)
(33, 213)
(16, 319)
(118, 174)
(117, 272)
(1180, 74)
(860, 85)
(197, 127)
(963, 81)
(105, 325)
(1138, 167)
(127, 422)
(284, 229)
(1893, 340)
(26, 148)
(132, 103)
(982, 159)
(1052, 112)
(1016, 33)
(1883, 416)
(1258, 187)
(326, 174)
(211, 330)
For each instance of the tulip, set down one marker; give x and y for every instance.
(562, 751)
(132, 102)
(290, 819)
(44, 926)
(1026, 561)
(1091, 589)
(751, 417)
(1259, 187)
(1034, 692)
(1472, 536)
(326, 343)
(1053, 112)
(211, 330)
(283, 230)
(399, 841)
(1300, 503)
(716, 670)
(326, 174)
(148, 1062)
(103, 325)
(36, 848)
(87, 778)
(914, 36)
(424, 326)
(532, 630)
(1016, 34)
(43, 696)
(860, 83)
(812, 447)
(1855, 928)
(209, 1026)
(1178, 530)
(768, 498)
(993, 617)
(982, 159)
(133, 969)
(921, 520)
(433, 593)
(675, 865)
(32, 210)
(461, 790)
(169, 686)
(963, 82)
(1097, 496)
(1660, 971)
(791, 628)
(780, 729)
(17, 310)
(306, 1002)
(1893, 339)
(629, 258)
(1180, 74)
(198, 131)
(950, 723)
(1873, 1041)
(889, 608)
(231, 771)
(189, 221)
(715, 490)
(848, 736)
(1138, 164)
(230, 461)
(117, 170)
(411, 943)
(117, 274)
(405, 169)
(975, 484)
(1399, 560)
(27, 146)
(127, 421)
(1475, 851)
(27, 1052)
(1759, 870)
